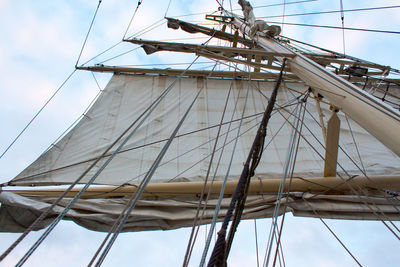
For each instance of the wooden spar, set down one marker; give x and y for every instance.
(379, 119)
(258, 61)
(235, 39)
(244, 62)
(258, 53)
(332, 145)
(192, 48)
(190, 73)
(257, 186)
(324, 59)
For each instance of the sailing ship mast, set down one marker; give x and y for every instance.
(318, 88)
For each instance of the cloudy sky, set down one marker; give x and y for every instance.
(40, 43)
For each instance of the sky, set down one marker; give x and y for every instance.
(40, 44)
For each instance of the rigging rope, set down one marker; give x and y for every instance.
(222, 148)
(280, 230)
(29, 229)
(356, 193)
(192, 238)
(342, 18)
(217, 208)
(283, 14)
(346, 181)
(218, 257)
(239, 9)
(119, 55)
(240, 205)
(331, 231)
(330, 12)
(62, 214)
(166, 11)
(37, 114)
(286, 3)
(136, 196)
(334, 27)
(134, 14)
(87, 35)
(275, 215)
(356, 146)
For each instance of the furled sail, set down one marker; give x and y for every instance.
(187, 160)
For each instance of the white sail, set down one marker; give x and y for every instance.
(127, 96)
(187, 160)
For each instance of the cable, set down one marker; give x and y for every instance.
(136, 196)
(192, 238)
(166, 11)
(134, 14)
(356, 193)
(331, 231)
(283, 13)
(342, 18)
(334, 27)
(120, 55)
(141, 146)
(143, 117)
(118, 225)
(346, 181)
(272, 5)
(217, 208)
(289, 158)
(221, 247)
(87, 35)
(330, 12)
(37, 114)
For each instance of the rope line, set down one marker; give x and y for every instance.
(134, 14)
(356, 146)
(87, 35)
(139, 146)
(119, 223)
(218, 257)
(217, 208)
(192, 238)
(334, 27)
(136, 196)
(330, 12)
(331, 231)
(361, 169)
(256, 239)
(145, 114)
(289, 158)
(346, 181)
(37, 114)
(238, 9)
(280, 229)
(166, 11)
(342, 18)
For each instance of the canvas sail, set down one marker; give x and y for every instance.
(125, 98)
(187, 160)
